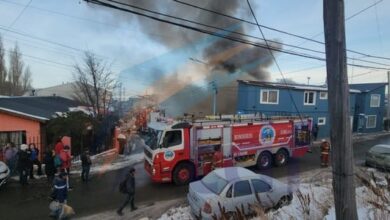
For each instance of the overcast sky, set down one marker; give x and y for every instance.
(52, 35)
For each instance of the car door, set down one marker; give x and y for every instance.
(263, 190)
(240, 195)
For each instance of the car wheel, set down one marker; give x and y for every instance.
(264, 160)
(281, 158)
(183, 174)
(285, 200)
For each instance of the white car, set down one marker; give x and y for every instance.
(4, 173)
(235, 187)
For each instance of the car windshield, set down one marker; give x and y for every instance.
(214, 183)
(380, 149)
(154, 139)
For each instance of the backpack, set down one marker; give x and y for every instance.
(57, 161)
(123, 186)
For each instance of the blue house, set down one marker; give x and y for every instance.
(279, 99)
(369, 107)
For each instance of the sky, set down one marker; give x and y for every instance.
(54, 34)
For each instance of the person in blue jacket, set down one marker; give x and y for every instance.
(60, 193)
(34, 154)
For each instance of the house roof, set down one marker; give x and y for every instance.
(290, 86)
(367, 87)
(38, 108)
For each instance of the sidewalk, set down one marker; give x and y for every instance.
(357, 137)
(153, 210)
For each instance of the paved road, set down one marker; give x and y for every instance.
(101, 193)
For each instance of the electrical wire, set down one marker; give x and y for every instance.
(281, 31)
(276, 62)
(220, 35)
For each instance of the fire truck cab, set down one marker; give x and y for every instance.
(181, 151)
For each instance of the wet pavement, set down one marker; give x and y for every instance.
(101, 194)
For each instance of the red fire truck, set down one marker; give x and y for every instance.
(181, 151)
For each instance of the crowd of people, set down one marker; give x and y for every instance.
(57, 163)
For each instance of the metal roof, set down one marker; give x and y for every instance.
(39, 108)
(291, 86)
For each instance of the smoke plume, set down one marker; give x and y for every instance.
(186, 90)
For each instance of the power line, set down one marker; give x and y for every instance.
(274, 58)
(276, 30)
(42, 59)
(220, 35)
(238, 33)
(45, 40)
(363, 10)
(348, 18)
(20, 14)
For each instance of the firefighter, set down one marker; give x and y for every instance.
(325, 149)
(217, 157)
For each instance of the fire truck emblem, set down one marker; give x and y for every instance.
(267, 135)
(169, 155)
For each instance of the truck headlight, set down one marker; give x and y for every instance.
(153, 171)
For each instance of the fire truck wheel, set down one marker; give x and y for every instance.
(264, 161)
(281, 158)
(183, 174)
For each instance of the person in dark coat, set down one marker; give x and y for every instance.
(23, 164)
(129, 190)
(315, 131)
(50, 169)
(85, 166)
(34, 160)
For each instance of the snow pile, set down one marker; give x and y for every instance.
(177, 213)
(112, 162)
(313, 199)
(320, 200)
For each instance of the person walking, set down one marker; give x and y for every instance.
(325, 149)
(23, 164)
(127, 186)
(60, 194)
(34, 160)
(315, 132)
(50, 169)
(85, 166)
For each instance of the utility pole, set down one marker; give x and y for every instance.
(388, 102)
(338, 99)
(214, 87)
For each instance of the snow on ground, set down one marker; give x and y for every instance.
(111, 161)
(318, 187)
(181, 212)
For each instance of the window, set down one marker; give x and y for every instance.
(321, 121)
(371, 121)
(16, 137)
(214, 183)
(172, 138)
(229, 192)
(260, 186)
(309, 98)
(269, 96)
(242, 188)
(323, 95)
(375, 100)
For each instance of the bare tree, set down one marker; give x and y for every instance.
(15, 71)
(26, 80)
(94, 83)
(3, 70)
